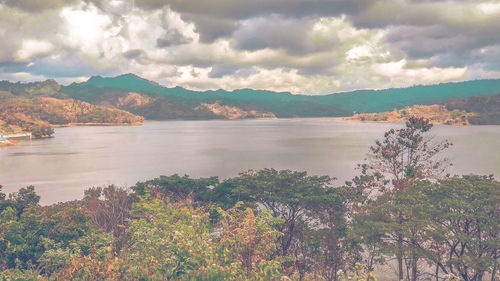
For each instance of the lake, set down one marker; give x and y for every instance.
(80, 157)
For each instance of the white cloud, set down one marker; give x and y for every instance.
(88, 29)
(31, 48)
(401, 75)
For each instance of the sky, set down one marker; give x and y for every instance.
(299, 46)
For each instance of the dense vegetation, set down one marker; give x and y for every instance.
(487, 107)
(400, 210)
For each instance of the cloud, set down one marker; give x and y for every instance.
(36, 5)
(301, 46)
(31, 48)
(401, 74)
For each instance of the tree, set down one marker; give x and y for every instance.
(396, 225)
(175, 241)
(403, 158)
(41, 131)
(108, 208)
(175, 187)
(250, 240)
(2, 195)
(288, 195)
(334, 249)
(465, 216)
(24, 198)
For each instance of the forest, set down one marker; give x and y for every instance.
(401, 218)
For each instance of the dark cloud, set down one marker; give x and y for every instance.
(253, 43)
(243, 9)
(211, 28)
(219, 71)
(445, 45)
(37, 5)
(219, 18)
(276, 32)
(171, 38)
(133, 54)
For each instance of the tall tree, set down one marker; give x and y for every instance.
(404, 157)
(465, 231)
(288, 195)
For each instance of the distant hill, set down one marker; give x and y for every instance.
(146, 98)
(486, 107)
(33, 108)
(180, 103)
(475, 110)
(101, 90)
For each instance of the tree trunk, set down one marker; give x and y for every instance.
(494, 271)
(414, 269)
(437, 272)
(400, 265)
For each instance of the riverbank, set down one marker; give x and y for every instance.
(98, 124)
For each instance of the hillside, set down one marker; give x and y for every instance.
(106, 90)
(487, 107)
(475, 110)
(180, 103)
(437, 114)
(37, 115)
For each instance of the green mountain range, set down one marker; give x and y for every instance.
(99, 89)
(153, 101)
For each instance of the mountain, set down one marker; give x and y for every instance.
(180, 103)
(397, 98)
(153, 101)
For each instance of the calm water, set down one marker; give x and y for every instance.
(81, 157)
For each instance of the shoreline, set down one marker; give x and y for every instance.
(11, 142)
(96, 124)
(15, 139)
(386, 122)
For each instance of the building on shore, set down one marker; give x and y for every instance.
(2, 138)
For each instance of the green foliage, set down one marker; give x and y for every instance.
(287, 195)
(176, 188)
(177, 242)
